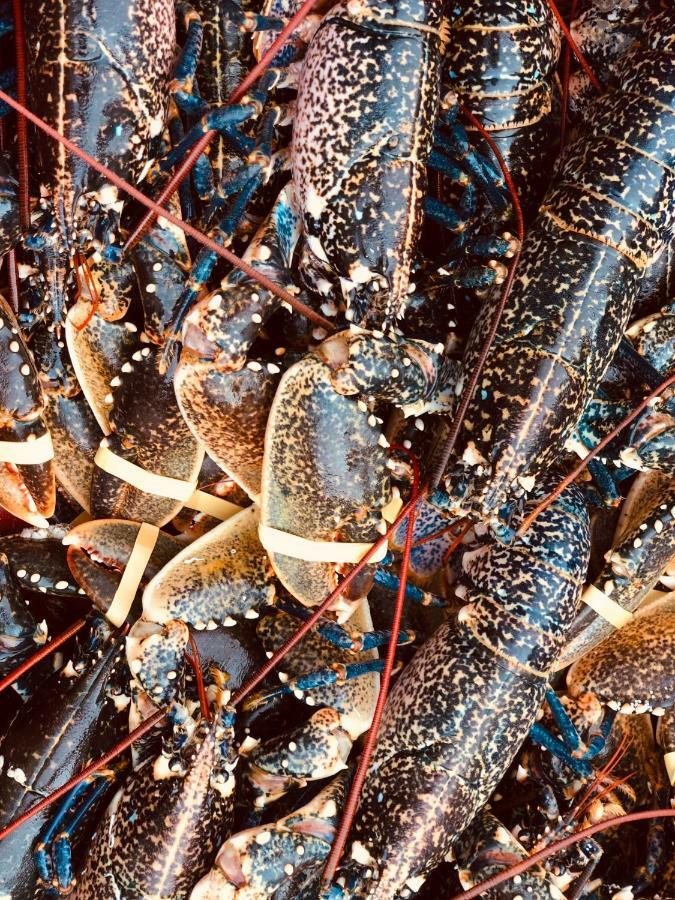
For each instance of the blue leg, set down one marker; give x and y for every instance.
(541, 735)
(343, 638)
(53, 851)
(391, 582)
(335, 674)
(184, 73)
(566, 726)
(225, 120)
(567, 748)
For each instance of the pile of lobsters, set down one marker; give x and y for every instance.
(337, 449)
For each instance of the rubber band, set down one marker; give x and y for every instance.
(149, 482)
(604, 606)
(163, 486)
(392, 509)
(669, 761)
(292, 545)
(28, 453)
(213, 506)
(133, 573)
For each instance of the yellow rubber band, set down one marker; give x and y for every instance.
(669, 760)
(164, 486)
(276, 541)
(392, 509)
(604, 606)
(28, 453)
(149, 482)
(133, 573)
(213, 506)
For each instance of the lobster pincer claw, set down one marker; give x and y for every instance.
(99, 551)
(314, 501)
(27, 483)
(317, 749)
(288, 852)
(412, 374)
(225, 573)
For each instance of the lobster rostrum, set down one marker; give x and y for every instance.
(598, 228)
(446, 751)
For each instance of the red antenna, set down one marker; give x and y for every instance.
(21, 130)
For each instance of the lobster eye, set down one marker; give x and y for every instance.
(80, 47)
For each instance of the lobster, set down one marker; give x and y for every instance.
(444, 752)
(598, 228)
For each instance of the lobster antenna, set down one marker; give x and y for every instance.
(562, 844)
(182, 171)
(196, 666)
(190, 230)
(21, 125)
(356, 787)
(581, 59)
(467, 394)
(577, 470)
(41, 654)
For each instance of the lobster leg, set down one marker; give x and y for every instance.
(300, 684)
(338, 635)
(53, 851)
(567, 748)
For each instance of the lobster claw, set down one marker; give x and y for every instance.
(325, 477)
(27, 484)
(227, 411)
(99, 550)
